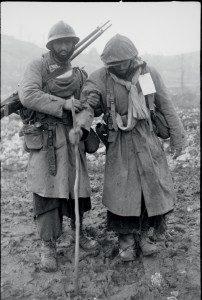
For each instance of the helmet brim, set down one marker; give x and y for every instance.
(75, 39)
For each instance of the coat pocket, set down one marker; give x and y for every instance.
(33, 137)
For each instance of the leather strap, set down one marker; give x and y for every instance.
(111, 102)
(150, 105)
(150, 98)
(51, 150)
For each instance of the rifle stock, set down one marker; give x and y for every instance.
(12, 104)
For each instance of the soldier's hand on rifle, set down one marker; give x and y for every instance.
(77, 105)
(75, 135)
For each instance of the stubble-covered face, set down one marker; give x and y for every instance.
(63, 48)
(121, 69)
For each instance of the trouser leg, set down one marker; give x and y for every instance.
(49, 225)
(73, 221)
(126, 247)
(142, 239)
(85, 242)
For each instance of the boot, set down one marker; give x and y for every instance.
(147, 247)
(126, 247)
(48, 256)
(85, 242)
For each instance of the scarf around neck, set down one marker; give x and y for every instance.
(137, 109)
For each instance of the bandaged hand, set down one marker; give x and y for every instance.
(75, 135)
(77, 105)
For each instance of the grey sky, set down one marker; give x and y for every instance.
(154, 27)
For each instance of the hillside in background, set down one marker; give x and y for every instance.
(16, 54)
(181, 73)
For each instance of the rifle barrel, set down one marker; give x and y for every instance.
(90, 35)
(75, 54)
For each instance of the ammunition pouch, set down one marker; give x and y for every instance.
(33, 137)
(92, 143)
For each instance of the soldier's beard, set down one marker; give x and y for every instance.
(127, 75)
(123, 75)
(62, 57)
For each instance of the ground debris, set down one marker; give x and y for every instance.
(174, 273)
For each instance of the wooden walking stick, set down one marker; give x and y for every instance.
(76, 187)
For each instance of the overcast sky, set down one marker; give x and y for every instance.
(155, 27)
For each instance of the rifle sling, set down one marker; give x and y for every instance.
(61, 70)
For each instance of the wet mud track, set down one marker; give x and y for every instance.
(173, 273)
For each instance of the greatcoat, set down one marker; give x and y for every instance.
(135, 160)
(49, 102)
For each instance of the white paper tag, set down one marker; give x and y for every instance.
(146, 84)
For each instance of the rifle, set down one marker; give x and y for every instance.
(12, 104)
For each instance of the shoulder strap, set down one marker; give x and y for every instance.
(149, 100)
(55, 73)
(111, 101)
(82, 75)
(151, 97)
(50, 75)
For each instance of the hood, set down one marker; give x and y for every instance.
(118, 49)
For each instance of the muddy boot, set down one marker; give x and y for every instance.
(147, 247)
(48, 256)
(126, 247)
(85, 242)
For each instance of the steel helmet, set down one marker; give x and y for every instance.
(117, 50)
(61, 30)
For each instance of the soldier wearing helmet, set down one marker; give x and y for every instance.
(62, 40)
(47, 123)
(138, 190)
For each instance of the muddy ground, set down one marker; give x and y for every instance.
(173, 273)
